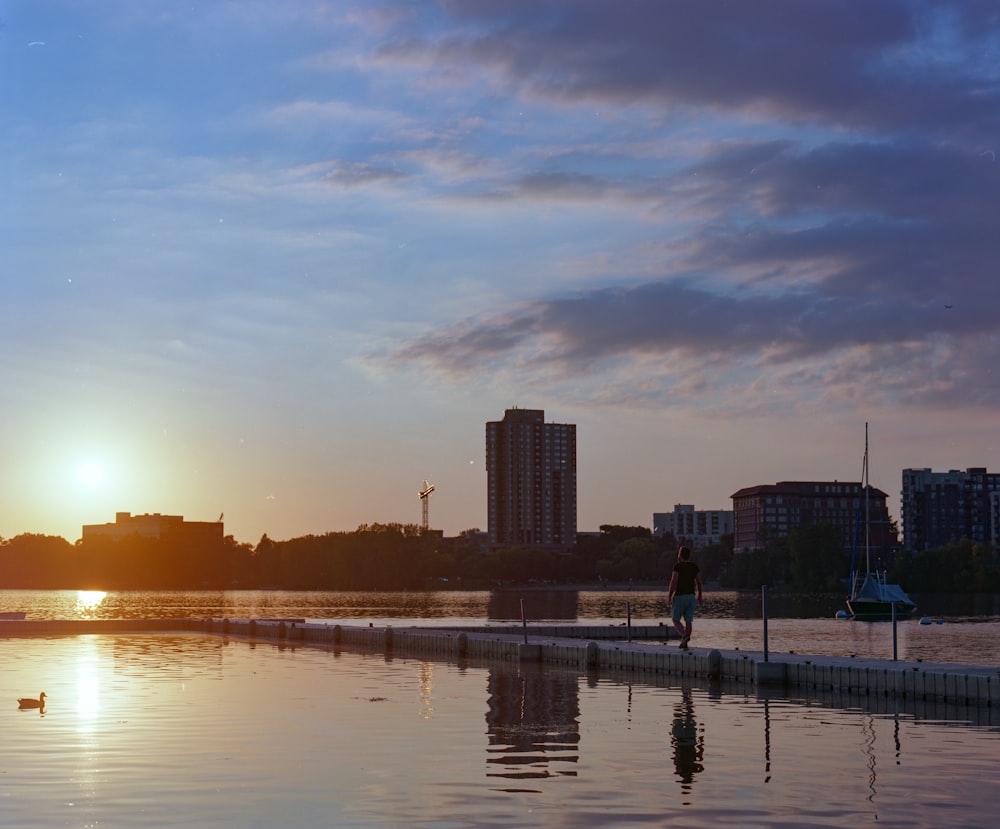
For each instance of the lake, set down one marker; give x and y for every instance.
(969, 633)
(166, 730)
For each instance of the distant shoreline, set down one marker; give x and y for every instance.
(621, 588)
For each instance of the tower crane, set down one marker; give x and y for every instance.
(425, 500)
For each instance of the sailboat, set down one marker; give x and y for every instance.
(871, 598)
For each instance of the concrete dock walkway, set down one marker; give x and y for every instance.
(586, 648)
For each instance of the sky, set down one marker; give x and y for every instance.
(283, 261)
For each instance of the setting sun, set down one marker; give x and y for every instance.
(91, 474)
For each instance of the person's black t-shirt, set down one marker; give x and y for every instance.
(686, 572)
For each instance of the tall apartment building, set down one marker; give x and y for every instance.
(777, 509)
(695, 528)
(531, 487)
(939, 507)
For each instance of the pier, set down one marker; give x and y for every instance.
(637, 650)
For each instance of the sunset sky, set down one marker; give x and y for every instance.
(283, 260)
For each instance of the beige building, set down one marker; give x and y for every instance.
(695, 528)
(172, 527)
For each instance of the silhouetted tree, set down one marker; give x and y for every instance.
(758, 567)
(818, 559)
(714, 559)
(37, 561)
(962, 566)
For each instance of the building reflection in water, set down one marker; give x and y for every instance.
(426, 690)
(539, 605)
(533, 723)
(767, 740)
(687, 741)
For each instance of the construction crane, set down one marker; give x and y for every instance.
(425, 500)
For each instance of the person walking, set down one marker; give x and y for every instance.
(685, 589)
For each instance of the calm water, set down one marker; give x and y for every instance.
(199, 731)
(970, 632)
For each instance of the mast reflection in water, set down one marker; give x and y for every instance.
(533, 723)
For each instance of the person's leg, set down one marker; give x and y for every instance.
(683, 613)
(678, 624)
(689, 618)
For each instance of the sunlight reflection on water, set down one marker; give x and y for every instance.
(168, 730)
(88, 602)
(87, 683)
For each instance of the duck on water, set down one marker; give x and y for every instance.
(26, 702)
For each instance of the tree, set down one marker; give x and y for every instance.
(617, 533)
(715, 559)
(32, 560)
(759, 567)
(817, 557)
(961, 566)
(636, 558)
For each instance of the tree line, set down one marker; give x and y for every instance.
(815, 558)
(372, 557)
(401, 556)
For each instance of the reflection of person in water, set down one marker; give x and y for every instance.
(686, 741)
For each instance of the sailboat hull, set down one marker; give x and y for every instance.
(877, 611)
(874, 599)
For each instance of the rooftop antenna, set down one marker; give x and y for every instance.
(425, 500)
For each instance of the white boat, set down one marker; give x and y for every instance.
(871, 597)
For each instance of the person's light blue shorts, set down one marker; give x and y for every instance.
(683, 608)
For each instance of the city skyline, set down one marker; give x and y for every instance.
(693, 509)
(283, 261)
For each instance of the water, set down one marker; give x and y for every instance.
(970, 633)
(189, 730)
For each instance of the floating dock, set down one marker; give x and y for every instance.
(587, 648)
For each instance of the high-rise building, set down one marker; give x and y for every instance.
(939, 507)
(531, 487)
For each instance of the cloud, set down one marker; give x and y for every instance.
(818, 249)
(315, 114)
(907, 223)
(819, 268)
(877, 65)
(361, 173)
(664, 318)
(677, 342)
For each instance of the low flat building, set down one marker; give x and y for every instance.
(156, 526)
(774, 510)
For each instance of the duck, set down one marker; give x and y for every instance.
(25, 702)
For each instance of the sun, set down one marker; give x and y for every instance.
(91, 474)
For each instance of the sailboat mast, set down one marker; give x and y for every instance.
(868, 564)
